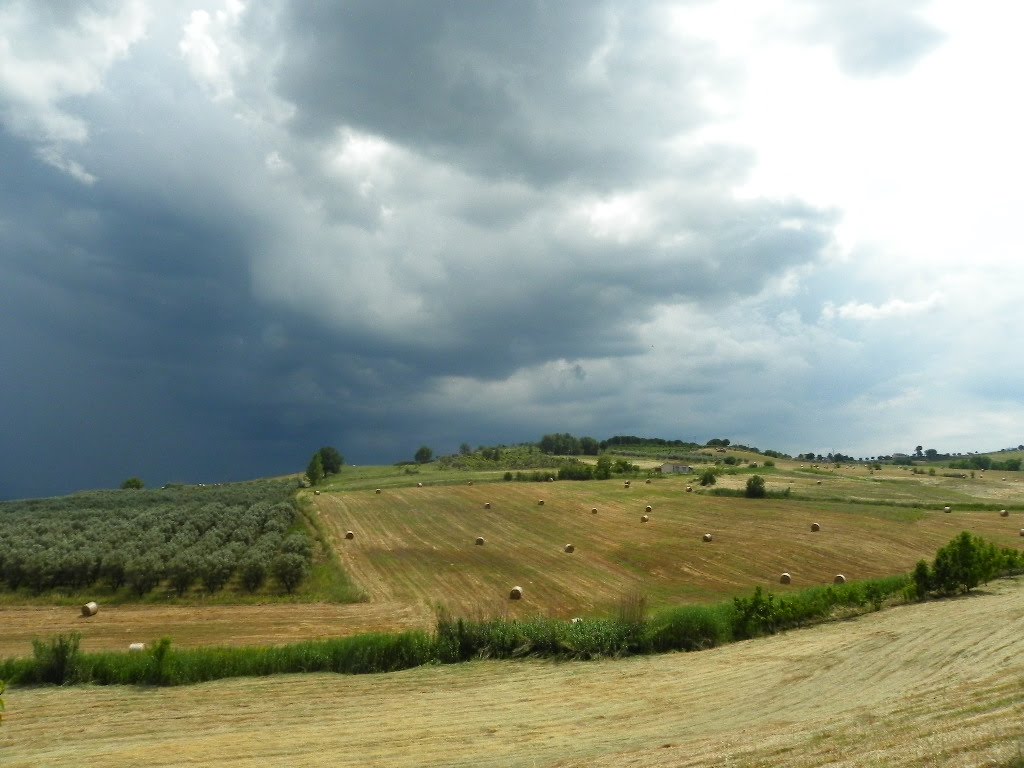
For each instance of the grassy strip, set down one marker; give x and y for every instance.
(679, 629)
(328, 580)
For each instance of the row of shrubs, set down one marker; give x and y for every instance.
(960, 566)
(688, 628)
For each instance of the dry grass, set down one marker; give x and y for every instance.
(924, 685)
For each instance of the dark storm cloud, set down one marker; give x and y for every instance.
(874, 37)
(233, 289)
(542, 91)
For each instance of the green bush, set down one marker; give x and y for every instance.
(755, 487)
(963, 564)
(56, 662)
(707, 477)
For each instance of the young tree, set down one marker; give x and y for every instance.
(132, 482)
(423, 455)
(465, 450)
(253, 572)
(707, 477)
(315, 470)
(331, 460)
(755, 487)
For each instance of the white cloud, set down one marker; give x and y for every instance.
(890, 309)
(210, 48)
(42, 65)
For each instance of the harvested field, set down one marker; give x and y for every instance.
(114, 627)
(939, 683)
(411, 547)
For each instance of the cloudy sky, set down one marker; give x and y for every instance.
(233, 232)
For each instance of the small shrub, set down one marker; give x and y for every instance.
(56, 662)
(922, 579)
(755, 487)
(707, 477)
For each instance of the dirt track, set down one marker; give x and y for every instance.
(938, 684)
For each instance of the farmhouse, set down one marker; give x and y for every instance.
(676, 469)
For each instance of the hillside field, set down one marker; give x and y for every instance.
(413, 549)
(932, 684)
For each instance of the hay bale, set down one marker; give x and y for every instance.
(648, 481)
(593, 511)
(947, 509)
(644, 518)
(316, 493)
(575, 620)
(136, 647)
(1022, 531)
(540, 502)
(815, 527)
(569, 548)
(516, 593)
(648, 508)
(349, 535)
(785, 579)
(819, 482)
(627, 484)
(90, 609)
(551, 479)
(479, 541)
(377, 491)
(839, 579)
(419, 485)
(689, 489)
(707, 537)
(1003, 513)
(469, 482)
(487, 505)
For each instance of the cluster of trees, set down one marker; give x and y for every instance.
(968, 561)
(326, 461)
(180, 537)
(987, 462)
(605, 467)
(621, 440)
(564, 444)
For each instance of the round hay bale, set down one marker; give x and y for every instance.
(540, 502)
(469, 482)
(419, 485)
(689, 489)
(648, 481)
(815, 527)
(349, 535)
(551, 479)
(648, 508)
(516, 593)
(947, 509)
(785, 579)
(839, 579)
(575, 620)
(1022, 531)
(644, 518)
(479, 541)
(707, 537)
(1003, 513)
(316, 493)
(377, 491)
(569, 548)
(136, 647)
(90, 608)
(487, 505)
(819, 482)
(593, 511)
(626, 484)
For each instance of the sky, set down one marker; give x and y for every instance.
(232, 232)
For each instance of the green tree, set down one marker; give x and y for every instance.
(132, 482)
(330, 460)
(707, 477)
(922, 579)
(2, 686)
(423, 455)
(182, 572)
(315, 470)
(603, 470)
(465, 450)
(964, 563)
(290, 569)
(755, 487)
(254, 572)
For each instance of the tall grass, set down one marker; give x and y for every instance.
(631, 632)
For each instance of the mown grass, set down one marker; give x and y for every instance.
(631, 632)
